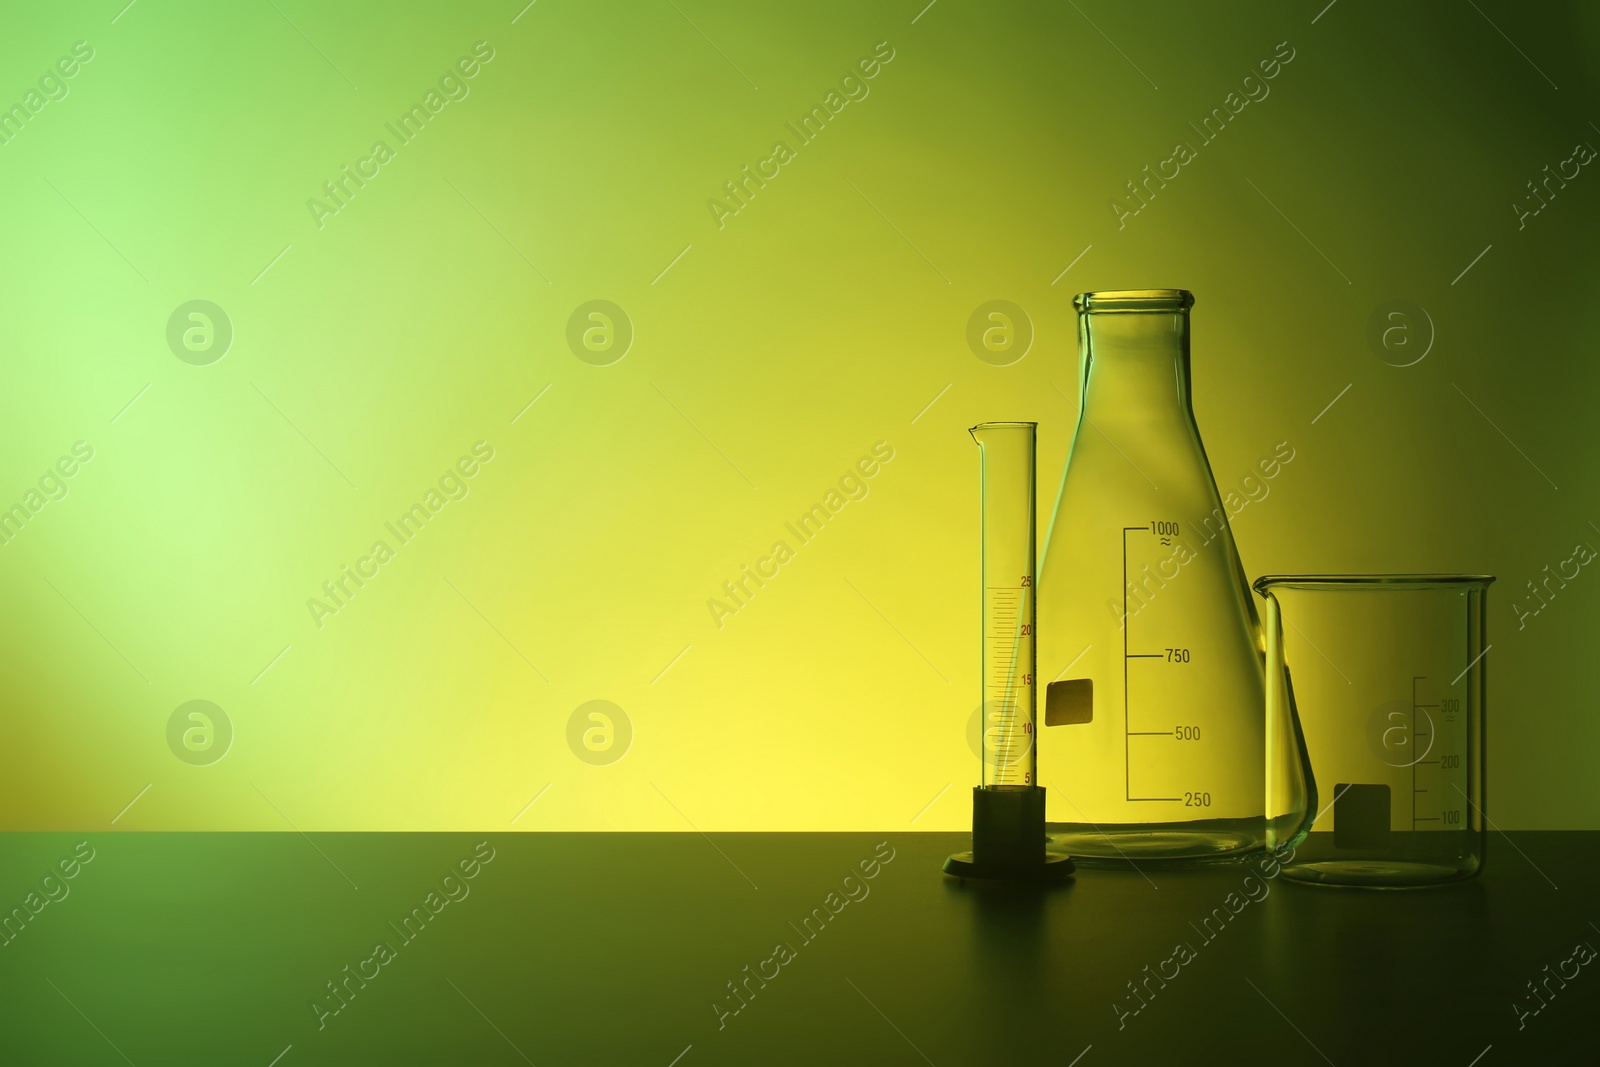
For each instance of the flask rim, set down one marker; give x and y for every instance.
(1125, 300)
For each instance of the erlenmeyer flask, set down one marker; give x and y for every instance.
(1148, 639)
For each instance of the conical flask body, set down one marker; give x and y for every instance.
(1149, 645)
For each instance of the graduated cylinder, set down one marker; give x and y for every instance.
(1007, 467)
(1008, 840)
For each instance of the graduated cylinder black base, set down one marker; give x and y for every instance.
(1008, 838)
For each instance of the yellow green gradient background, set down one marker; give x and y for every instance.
(777, 350)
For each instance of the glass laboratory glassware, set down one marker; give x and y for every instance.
(1389, 675)
(1008, 807)
(1149, 644)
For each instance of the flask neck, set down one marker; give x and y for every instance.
(1135, 364)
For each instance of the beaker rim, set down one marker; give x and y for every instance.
(1100, 300)
(1368, 581)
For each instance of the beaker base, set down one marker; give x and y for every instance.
(1215, 841)
(1374, 874)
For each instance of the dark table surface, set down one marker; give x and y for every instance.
(619, 948)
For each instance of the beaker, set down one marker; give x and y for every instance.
(1149, 644)
(1388, 679)
(1008, 807)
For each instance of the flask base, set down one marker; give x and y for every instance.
(1211, 841)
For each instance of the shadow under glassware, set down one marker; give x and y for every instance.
(1387, 705)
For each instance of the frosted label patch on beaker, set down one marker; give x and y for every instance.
(1361, 816)
(1069, 702)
